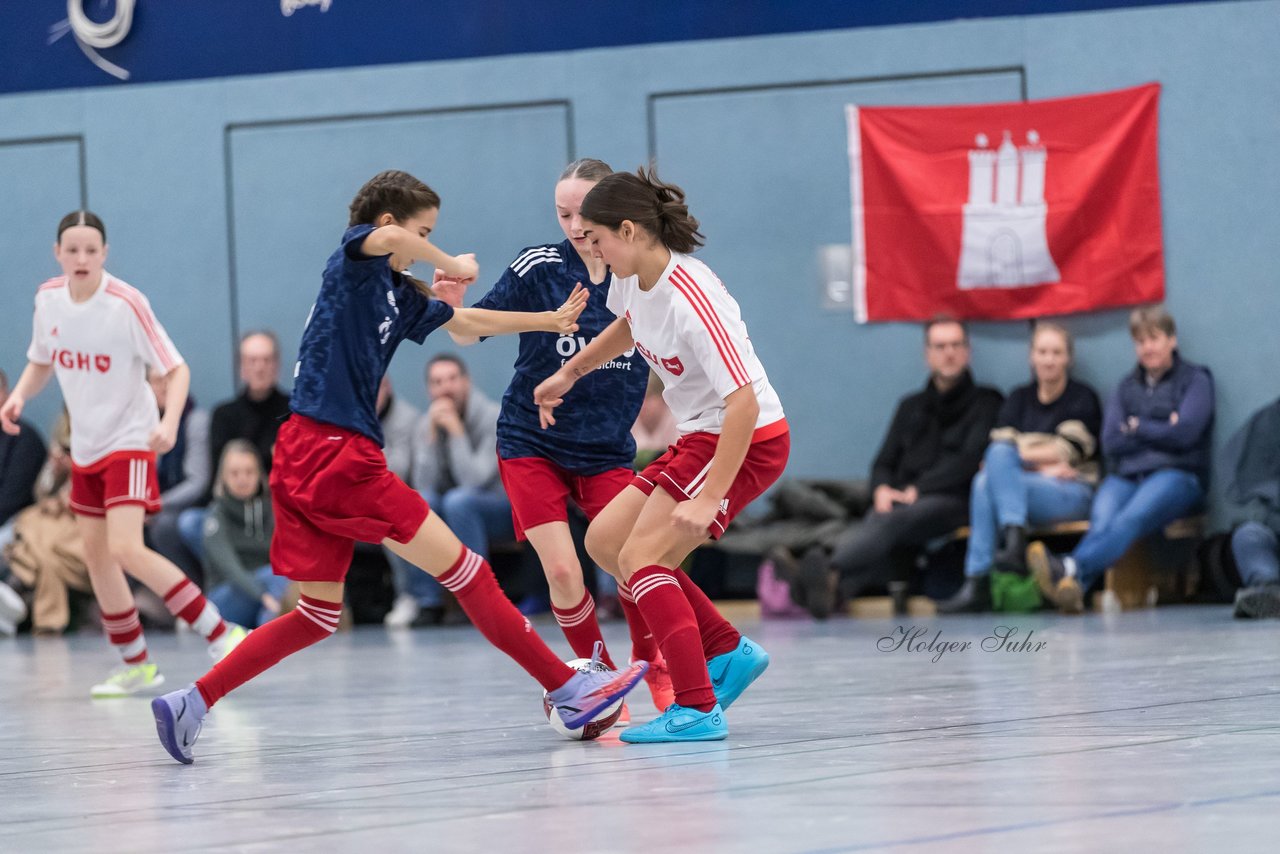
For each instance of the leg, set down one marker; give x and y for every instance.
(1051, 500)
(1162, 497)
(1003, 468)
(982, 527)
(191, 530)
(574, 609)
(477, 517)
(1255, 548)
(166, 539)
(111, 589)
(605, 537)
(234, 605)
(181, 596)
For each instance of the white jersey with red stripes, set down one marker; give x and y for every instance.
(100, 349)
(690, 331)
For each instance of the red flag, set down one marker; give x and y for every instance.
(1003, 211)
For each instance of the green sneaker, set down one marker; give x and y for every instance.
(229, 640)
(128, 679)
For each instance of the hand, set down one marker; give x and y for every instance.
(462, 267)
(1062, 471)
(908, 495)
(443, 413)
(1131, 424)
(565, 319)
(550, 393)
(271, 603)
(449, 289)
(163, 438)
(884, 498)
(1173, 418)
(695, 516)
(10, 413)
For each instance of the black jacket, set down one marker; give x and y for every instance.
(258, 421)
(936, 440)
(21, 458)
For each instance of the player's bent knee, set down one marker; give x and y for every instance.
(564, 577)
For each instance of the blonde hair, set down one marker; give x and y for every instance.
(1149, 319)
(1052, 326)
(237, 446)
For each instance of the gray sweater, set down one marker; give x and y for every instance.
(473, 457)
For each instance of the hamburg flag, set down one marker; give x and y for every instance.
(1006, 211)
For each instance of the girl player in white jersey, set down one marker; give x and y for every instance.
(734, 441)
(99, 335)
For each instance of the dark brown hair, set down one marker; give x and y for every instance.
(445, 357)
(394, 192)
(88, 218)
(586, 168)
(944, 320)
(644, 200)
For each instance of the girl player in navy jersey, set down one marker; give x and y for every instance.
(587, 455)
(98, 335)
(733, 445)
(329, 482)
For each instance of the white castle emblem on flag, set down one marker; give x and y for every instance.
(1003, 243)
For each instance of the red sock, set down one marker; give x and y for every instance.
(471, 581)
(311, 622)
(581, 627)
(643, 646)
(718, 634)
(186, 601)
(657, 593)
(124, 630)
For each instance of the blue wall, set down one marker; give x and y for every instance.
(232, 192)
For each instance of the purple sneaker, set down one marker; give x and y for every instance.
(179, 715)
(588, 692)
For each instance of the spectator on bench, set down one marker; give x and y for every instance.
(183, 473)
(920, 479)
(1157, 429)
(1253, 493)
(1040, 468)
(21, 457)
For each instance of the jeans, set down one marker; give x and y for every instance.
(1004, 494)
(881, 545)
(476, 516)
(1125, 510)
(165, 535)
(191, 530)
(1257, 554)
(238, 607)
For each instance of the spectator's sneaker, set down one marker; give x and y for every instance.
(230, 639)
(179, 716)
(678, 723)
(128, 679)
(13, 610)
(812, 584)
(1046, 568)
(659, 679)
(402, 614)
(732, 672)
(588, 691)
(1254, 603)
(1069, 597)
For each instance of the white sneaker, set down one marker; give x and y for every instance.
(403, 612)
(13, 610)
(230, 639)
(128, 679)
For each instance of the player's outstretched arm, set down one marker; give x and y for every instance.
(34, 378)
(450, 291)
(482, 321)
(389, 239)
(608, 345)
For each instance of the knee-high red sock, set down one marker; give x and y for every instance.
(124, 630)
(471, 581)
(643, 645)
(582, 629)
(311, 622)
(718, 634)
(657, 593)
(185, 600)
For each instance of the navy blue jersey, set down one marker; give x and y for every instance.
(592, 432)
(363, 312)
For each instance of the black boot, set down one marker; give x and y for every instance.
(812, 584)
(1012, 556)
(973, 597)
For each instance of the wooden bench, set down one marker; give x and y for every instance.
(1135, 581)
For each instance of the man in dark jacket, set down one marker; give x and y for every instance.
(1157, 431)
(1252, 460)
(21, 457)
(919, 480)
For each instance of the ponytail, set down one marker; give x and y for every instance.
(648, 202)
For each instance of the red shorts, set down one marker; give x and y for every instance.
(329, 488)
(538, 489)
(682, 471)
(125, 477)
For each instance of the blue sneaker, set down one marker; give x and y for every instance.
(588, 692)
(179, 715)
(732, 672)
(678, 723)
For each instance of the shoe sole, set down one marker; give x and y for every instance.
(1070, 598)
(587, 714)
(166, 728)
(757, 669)
(1038, 563)
(1257, 606)
(643, 735)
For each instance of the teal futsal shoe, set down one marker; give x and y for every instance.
(732, 672)
(678, 723)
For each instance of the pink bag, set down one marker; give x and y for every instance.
(775, 595)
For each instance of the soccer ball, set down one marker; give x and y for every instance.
(592, 729)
